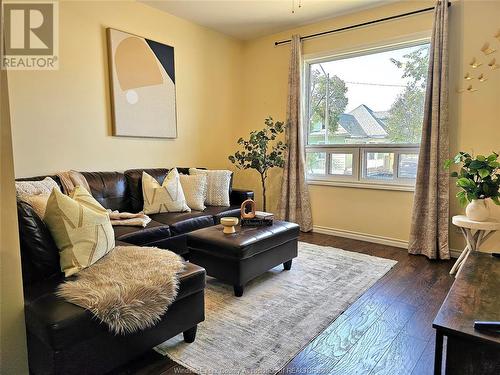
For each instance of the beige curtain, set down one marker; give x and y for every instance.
(429, 227)
(294, 204)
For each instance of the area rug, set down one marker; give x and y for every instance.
(279, 313)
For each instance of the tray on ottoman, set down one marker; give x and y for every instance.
(240, 257)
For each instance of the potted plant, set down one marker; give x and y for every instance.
(261, 152)
(478, 179)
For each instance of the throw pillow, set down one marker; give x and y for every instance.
(195, 190)
(218, 182)
(44, 186)
(37, 202)
(80, 227)
(167, 197)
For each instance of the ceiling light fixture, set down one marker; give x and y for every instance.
(293, 5)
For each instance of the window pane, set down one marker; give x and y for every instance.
(316, 163)
(368, 99)
(380, 165)
(408, 166)
(341, 164)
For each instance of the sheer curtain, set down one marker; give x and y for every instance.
(429, 227)
(294, 204)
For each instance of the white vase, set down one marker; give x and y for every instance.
(478, 210)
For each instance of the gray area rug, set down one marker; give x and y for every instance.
(279, 313)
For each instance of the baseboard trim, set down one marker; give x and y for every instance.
(361, 236)
(371, 238)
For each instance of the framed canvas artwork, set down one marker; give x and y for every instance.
(142, 83)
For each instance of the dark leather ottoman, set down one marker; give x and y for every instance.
(239, 257)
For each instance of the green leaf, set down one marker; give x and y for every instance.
(481, 158)
(477, 164)
(483, 173)
(496, 200)
(465, 183)
(447, 163)
(462, 198)
(454, 174)
(494, 164)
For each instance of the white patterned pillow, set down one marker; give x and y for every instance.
(43, 187)
(167, 197)
(218, 182)
(195, 190)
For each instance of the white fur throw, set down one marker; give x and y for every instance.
(129, 289)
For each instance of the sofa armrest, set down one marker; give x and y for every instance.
(238, 196)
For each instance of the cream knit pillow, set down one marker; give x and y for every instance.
(42, 187)
(195, 190)
(218, 182)
(167, 197)
(80, 227)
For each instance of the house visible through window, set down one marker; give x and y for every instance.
(364, 114)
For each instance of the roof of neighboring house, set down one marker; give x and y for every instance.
(372, 126)
(362, 122)
(351, 126)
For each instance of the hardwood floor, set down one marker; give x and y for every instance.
(388, 330)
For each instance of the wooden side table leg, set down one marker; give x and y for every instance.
(473, 242)
(464, 254)
(438, 353)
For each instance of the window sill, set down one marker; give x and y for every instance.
(362, 185)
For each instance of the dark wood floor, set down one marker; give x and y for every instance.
(388, 330)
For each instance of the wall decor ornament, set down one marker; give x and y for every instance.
(474, 63)
(142, 84)
(493, 64)
(487, 49)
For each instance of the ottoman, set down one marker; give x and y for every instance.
(239, 257)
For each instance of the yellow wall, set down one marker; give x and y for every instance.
(61, 119)
(474, 118)
(13, 359)
(225, 88)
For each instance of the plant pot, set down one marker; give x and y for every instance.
(478, 210)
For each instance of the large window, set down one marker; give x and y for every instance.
(364, 114)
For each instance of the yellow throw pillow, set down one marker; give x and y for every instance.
(80, 227)
(167, 197)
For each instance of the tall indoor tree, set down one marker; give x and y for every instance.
(262, 152)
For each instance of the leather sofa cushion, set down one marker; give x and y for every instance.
(183, 222)
(238, 196)
(219, 212)
(134, 183)
(248, 242)
(109, 189)
(61, 324)
(153, 232)
(39, 253)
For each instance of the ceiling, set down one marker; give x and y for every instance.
(248, 19)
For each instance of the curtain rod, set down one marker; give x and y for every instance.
(359, 25)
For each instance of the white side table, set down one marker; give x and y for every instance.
(475, 232)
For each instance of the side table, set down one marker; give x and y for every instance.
(475, 232)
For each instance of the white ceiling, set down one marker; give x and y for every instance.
(247, 19)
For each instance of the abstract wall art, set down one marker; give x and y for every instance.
(142, 77)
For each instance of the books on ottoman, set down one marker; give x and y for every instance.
(261, 219)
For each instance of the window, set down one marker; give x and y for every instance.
(364, 114)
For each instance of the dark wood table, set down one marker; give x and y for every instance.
(475, 295)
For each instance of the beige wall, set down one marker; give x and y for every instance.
(378, 213)
(474, 117)
(61, 119)
(13, 359)
(226, 88)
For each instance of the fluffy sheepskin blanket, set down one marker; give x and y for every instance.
(129, 289)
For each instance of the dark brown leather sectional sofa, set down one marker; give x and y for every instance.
(64, 338)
